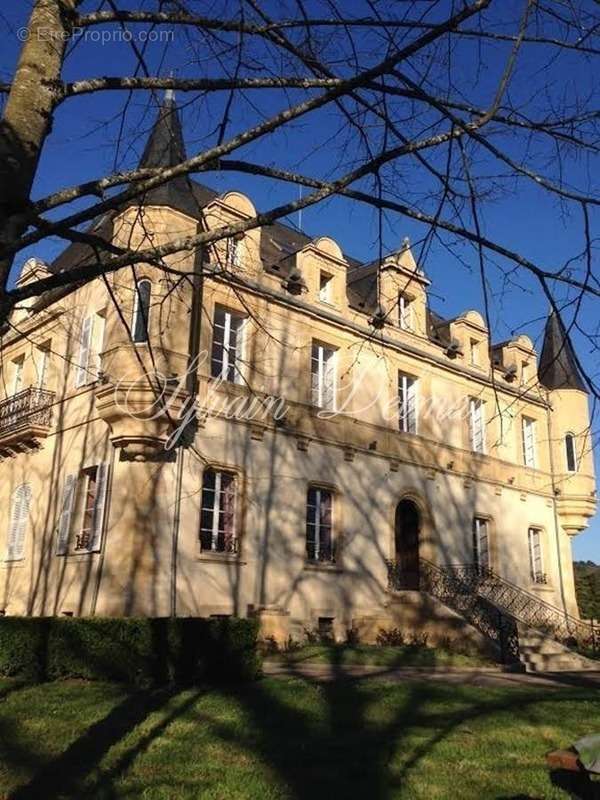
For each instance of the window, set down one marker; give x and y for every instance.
(17, 380)
(474, 352)
(325, 287)
(98, 340)
(405, 313)
(42, 364)
(477, 425)
(319, 512)
(407, 403)
(528, 433)
(217, 516)
(323, 377)
(141, 311)
(233, 254)
(15, 543)
(481, 543)
(227, 349)
(536, 563)
(571, 452)
(524, 372)
(91, 344)
(84, 496)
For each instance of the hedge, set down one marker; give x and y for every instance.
(144, 652)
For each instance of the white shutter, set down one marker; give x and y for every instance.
(100, 327)
(328, 391)
(477, 425)
(528, 431)
(237, 356)
(99, 508)
(315, 375)
(84, 352)
(411, 405)
(64, 522)
(15, 547)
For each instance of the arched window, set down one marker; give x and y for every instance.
(19, 514)
(570, 452)
(141, 311)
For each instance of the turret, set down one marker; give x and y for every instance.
(570, 435)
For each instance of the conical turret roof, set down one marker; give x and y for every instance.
(558, 366)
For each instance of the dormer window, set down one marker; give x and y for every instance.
(325, 287)
(233, 254)
(405, 312)
(474, 346)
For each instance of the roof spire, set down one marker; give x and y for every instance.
(165, 148)
(558, 365)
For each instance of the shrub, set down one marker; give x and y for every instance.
(144, 652)
(390, 637)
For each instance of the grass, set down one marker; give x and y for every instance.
(286, 738)
(403, 656)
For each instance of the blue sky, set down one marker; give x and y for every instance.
(87, 130)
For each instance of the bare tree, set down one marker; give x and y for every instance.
(439, 106)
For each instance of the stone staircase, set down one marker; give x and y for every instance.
(529, 633)
(539, 652)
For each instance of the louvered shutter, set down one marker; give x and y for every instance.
(315, 375)
(15, 549)
(328, 379)
(477, 426)
(99, 508)
(84, 351)
(64, 522)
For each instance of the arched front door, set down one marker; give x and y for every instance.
(407, 525)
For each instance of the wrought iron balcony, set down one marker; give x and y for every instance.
(25, 419)
(224, 543)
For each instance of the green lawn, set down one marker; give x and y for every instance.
(283, 738)
(404, 656)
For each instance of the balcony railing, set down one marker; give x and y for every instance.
(29, 411)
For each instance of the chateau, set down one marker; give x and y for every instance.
(270, 428)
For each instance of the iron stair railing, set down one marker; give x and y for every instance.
(525, 606)
(461, 596)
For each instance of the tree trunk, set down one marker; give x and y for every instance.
(27, 118)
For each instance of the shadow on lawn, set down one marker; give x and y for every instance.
(342, 754)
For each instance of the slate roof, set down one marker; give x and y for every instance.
(279, 242)
(557, 367)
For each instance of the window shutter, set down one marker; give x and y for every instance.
(99, 508)
(411, 405)
(236, 348)
(477, 425)
(15, 548)
(99, 343)
(328, 379)
(315, 376)
(528, 436)
(64, 522)
(84, 352)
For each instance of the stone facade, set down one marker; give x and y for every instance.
(131, 544)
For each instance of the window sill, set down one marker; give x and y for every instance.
(228, 387)
(324, 413)
(322, 566)
(12, 563)
(541, 587)
(79, 555)
(222, 558)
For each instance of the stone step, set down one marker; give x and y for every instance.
(539, 652)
